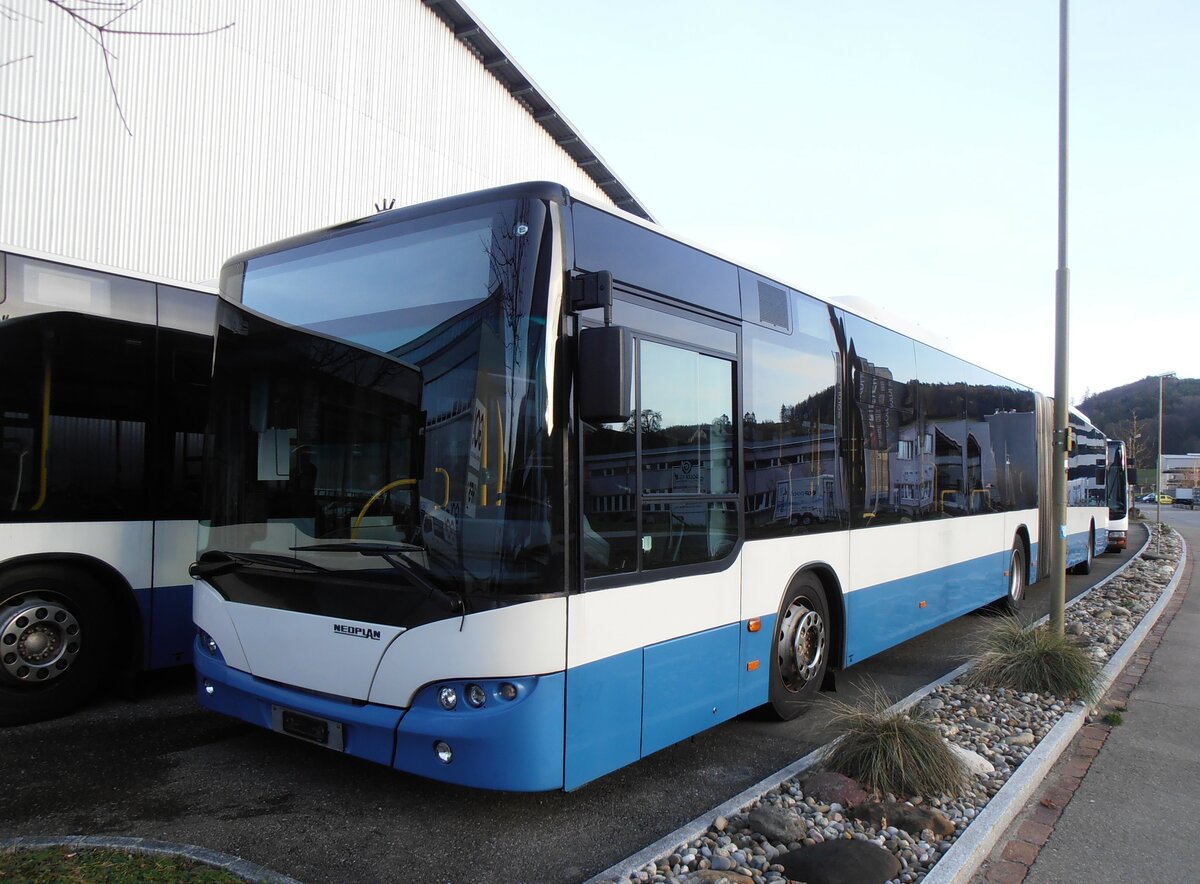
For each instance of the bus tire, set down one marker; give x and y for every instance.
(1085, 567)
(1018, 580)
(56, 641)
(799, 647)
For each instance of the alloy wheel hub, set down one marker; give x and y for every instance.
(39, 639)
(801, 646)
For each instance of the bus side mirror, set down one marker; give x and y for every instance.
(605, 374)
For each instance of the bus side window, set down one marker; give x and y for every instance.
(686, 428)
(686, 509)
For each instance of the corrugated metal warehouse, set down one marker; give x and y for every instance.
(226, 124)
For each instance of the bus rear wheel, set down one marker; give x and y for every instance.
(800, 647)
(1018, 578)
(56, 634)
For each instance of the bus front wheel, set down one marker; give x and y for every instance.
(56, 635)
(800, 648)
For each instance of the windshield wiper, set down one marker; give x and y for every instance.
(452, 601)
(218, 561)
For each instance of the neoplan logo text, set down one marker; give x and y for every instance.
(356, 631)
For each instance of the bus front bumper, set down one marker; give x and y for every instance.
(509, 745)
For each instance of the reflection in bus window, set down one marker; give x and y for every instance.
(684, 424)
(793, 466)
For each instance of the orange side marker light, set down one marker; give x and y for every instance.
(752, 665)
(754, 624)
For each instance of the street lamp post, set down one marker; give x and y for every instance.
(1062, 298)
(1158, 471)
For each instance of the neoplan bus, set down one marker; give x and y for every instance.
(494, 491)
(102, 410)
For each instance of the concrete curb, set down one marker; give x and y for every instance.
(621, 871)
(234, 865)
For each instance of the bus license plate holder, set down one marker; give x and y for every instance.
(310, 728)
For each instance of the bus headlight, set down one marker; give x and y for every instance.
(476, 695)
(508, 690)
(448, 697)
(208, 643)
(444, 753)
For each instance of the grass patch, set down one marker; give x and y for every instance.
(1033, 661)
(53, 865)
(1112, 719)
(891, 751)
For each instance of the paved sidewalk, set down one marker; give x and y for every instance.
(1122, 801)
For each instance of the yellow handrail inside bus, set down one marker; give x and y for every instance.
(374, 497)
(445, 497)
(483, 459)
(45, 440)
(500, 461)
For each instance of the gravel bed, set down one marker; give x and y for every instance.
(1000, 727)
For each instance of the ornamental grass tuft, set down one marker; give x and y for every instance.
(889, 751)
(1034, 660)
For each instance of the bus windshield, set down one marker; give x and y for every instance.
(1116, 492)
(423, 462)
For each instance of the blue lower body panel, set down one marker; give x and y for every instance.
(754, 666)
(1077, 546)
(886, 614)
(167, 631)
(627, 706)
(689, 684)
(172, 634)
(604, 717)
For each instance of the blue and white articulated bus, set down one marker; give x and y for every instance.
(494, 491)
(103, 402)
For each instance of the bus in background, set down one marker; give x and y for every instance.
(511, 490)
(1116, 485)
(102, 411)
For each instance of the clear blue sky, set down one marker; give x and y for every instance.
(906, 153)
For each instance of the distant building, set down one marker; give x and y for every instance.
(296, 116)
(1180, 471)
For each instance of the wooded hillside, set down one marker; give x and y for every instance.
(1131, 413)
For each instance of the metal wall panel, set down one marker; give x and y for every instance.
(300, 115)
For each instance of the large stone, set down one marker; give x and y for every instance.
(840, 862)
(779, 825)
(904, 816)
(708, 876)
(975, 763)
(833, 788)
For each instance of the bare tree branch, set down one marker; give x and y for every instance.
(96, 19)
(27, 120)
(171, 33)
(4, 64)
(11, 13)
